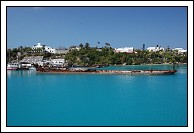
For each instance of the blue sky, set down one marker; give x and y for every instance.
(119, 26)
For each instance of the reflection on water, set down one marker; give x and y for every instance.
(21, 73)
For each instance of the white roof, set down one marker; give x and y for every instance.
(124, 48)
(182, 51)
(178, 49)
(32, 59)
(151, 47)
(58, 59)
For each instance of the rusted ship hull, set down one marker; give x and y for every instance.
(129, 72)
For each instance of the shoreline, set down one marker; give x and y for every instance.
(151, 64)
(134, 65)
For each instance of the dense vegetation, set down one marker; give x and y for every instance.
(107, 56)
(92, 56)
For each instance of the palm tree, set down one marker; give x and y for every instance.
(98, 44)
(168, 48)
(81, 45)
(107, 44)
(87, 45)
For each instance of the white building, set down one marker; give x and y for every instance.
(180, 50)
(74, 48)
(57, 62)
(154, 49)
(37, 46)
(49, 49)
(46, 48)
(124, 50)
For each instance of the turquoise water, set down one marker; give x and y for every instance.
(97, 100)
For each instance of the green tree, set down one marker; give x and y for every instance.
(87, 45)
(81, 45)
(107, 44)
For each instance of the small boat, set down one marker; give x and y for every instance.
(26, 66)
(12, 66)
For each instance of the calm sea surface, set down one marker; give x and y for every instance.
(97, 100)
